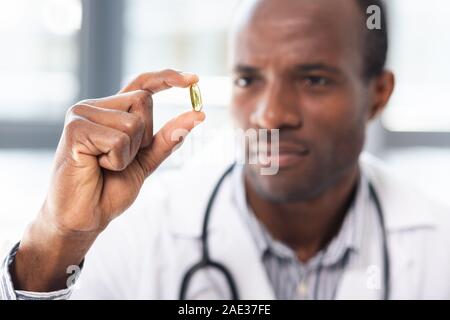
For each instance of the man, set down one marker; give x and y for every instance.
(329, 225)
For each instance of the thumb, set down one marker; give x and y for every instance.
(167, 139)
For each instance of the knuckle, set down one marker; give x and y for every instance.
(141, 97)
(119, 164)
(80, 108)
(73, 128)
(75, 110)
(142, 76)
(120, 141)
(134, 123)
(140, 124)
(129, 124)
(74, 124)
(121, 145)
(169, 72)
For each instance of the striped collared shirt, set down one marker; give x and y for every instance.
(7, 291)
(319, 277)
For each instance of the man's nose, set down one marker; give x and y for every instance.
(278, 108)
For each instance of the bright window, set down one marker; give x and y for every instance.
(38, 57)
(419, 56)
(189, 35)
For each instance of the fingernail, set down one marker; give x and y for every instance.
(187, 74)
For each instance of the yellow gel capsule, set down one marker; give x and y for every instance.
(196, 98)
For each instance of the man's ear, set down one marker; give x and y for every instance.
(382, 87)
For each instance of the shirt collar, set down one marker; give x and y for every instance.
(348, 238)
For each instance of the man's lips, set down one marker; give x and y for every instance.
(287, 156)
(286, 159)
(299, 149)
(283, 155)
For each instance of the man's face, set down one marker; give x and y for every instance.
(297, 67)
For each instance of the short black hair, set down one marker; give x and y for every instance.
(375, 42)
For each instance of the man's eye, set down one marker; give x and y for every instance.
(243, 82)
(315, 81)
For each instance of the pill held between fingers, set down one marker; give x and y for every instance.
(196, 98)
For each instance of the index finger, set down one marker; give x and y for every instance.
(161, 80)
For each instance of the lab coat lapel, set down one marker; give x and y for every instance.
(360, 282)
(400, 216)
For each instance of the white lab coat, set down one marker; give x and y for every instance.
(144, 253)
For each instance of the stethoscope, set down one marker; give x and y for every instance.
(207, 262)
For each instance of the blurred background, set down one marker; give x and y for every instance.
(56, 52)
